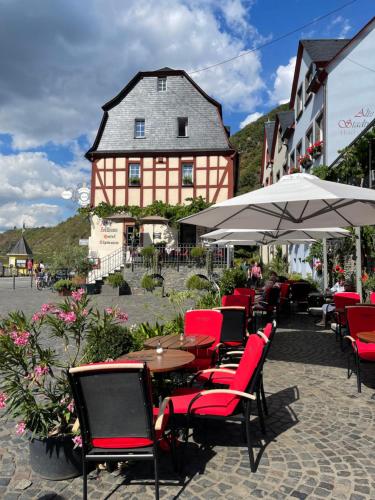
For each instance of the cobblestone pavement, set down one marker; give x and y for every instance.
(319, 443)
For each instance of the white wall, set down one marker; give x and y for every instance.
(309, 114)
(350, 95)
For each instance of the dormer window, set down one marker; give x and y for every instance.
(162, 84)
(139, 128)
(182, 125)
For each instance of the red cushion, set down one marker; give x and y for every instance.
(365, 351)
(213, 404)
(119, 442)
(360, 319)
(267, 330)
(216, 378)
(248, 363)
(237, 300)
(132, 442)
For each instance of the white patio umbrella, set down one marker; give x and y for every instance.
(298, 201)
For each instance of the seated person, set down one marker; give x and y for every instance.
(339, 286)
(270, 283)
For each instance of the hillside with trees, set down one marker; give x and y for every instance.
(44, 241)
(249, 143)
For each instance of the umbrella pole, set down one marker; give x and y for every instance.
(358, 264)
(228, 257)
(325, 265)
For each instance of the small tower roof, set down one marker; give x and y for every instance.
(21, 248)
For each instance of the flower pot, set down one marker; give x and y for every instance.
(65, 292)
(55, 458)
(316, 154)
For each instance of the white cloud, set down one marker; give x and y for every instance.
(36, 214)
(62, 63)
(32, 176)
(282, 86)
(340, 25)
(252, 117)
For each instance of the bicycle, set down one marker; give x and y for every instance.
(42, 282)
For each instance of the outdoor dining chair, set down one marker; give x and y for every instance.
(117, 420)
(341, 301)
(284, 300)
(246, 291)
(372, 298)
(360, 318)
(238, 300)
(203, 322)
(234, 404)
(233, 329)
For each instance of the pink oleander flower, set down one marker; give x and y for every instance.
(3, 398)
(20, 428)
(41, 370)
(68, 317)
(46, 308)
(78, 294)
(122, 316)
(84, 312)
(36, 316)
(109, 310)
(77, 440)
(70, 406)
(20, 338)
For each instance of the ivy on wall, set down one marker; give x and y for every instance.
(171, 212)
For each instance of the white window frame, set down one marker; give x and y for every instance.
(190, 167)
(139, 128)
(299, 101)
(308, 79)
(318, 120)
(135, 175)
(162, 84)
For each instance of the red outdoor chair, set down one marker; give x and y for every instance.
(341, 300)
(203, 322)
(192, 405)
(238, 300)
(116, 417)
(372, 298)
(360, 318)
(246, 291)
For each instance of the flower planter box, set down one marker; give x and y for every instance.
(65, 292)
(55, 458)
(317, 154)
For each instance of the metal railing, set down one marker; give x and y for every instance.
(161, 258)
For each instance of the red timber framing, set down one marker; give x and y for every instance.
(161, 179)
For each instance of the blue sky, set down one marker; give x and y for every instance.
(62, 60)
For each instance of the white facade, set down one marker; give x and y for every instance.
(306, 120)
(350, 93)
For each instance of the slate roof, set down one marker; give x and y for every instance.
(21, 248)
(140, 99)
(325, 49)
(286, 119)
(269, 128)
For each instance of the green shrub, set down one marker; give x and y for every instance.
(147, 253)
(108, 343)
(198, 254)
(295, 276)
(115, 280)
(369, 285)
(208, 301)
(231, 279)
(195, 282)
(61, 285)
(148, 283)
(175, 326)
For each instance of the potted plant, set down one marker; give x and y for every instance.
(316, 149)
(295, 170)
(64, 287)
(147, 254)
(116, 285)
(198, 254)
(305, 161)
(134, 181)
(187, 180)
(34, 387)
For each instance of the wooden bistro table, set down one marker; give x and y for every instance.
(174, 342)
(169, 361)
(368, 337)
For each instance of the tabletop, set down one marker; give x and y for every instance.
(368, 337)
(174, 342)
(169, 360)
